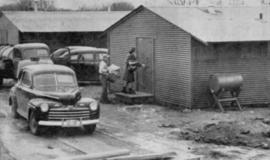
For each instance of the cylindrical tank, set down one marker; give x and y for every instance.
(226, 81)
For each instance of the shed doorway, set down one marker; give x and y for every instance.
(145, 55)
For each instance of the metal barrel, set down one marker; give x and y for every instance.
(226, 81)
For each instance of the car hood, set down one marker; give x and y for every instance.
(67, 98)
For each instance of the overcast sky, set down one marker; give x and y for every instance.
(74, 4)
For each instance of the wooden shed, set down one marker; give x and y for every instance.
(57, 29)
(182, 47)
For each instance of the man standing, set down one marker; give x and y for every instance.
(129, 76)
(103, 76)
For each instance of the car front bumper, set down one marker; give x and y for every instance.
(62, 123)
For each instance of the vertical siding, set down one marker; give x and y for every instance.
(172, 55)
(57, 40)
(13, 33)
(249, 59)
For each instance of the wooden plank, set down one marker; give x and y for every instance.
(138, 98)
(95, 156)
(153, 156)
(137, 95)
(227, 99)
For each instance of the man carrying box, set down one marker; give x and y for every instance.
(103, 76)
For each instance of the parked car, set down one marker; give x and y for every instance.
(3, 48)
(48, 95)
(83, 60)
(13, 58)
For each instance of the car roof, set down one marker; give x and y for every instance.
(31, 45)
(82, 50)
(4, 48)
(45, 68)
(7, 52)
(86, 49)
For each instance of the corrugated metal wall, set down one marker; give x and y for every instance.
(10, 29)
(172, 55)
(62, 39)
(251, 59)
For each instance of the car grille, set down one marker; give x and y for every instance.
(66, 114)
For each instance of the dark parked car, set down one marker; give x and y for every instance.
(48, 95)
(83, 60)
(13, 58)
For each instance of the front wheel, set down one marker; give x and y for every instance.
(90, 128)
(33, 124)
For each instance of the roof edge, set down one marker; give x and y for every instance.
(197, 38)
(137, 10)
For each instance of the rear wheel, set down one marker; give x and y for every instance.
(90, 128)
(33, 124)
(14, 107)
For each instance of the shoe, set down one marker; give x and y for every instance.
(131, 91)
(124, 90)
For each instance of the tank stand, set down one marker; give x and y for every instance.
(218, 100)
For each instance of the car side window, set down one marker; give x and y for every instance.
(89, 57)
(74, 57)
(26, 79)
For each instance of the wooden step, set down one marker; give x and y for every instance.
(138, 98)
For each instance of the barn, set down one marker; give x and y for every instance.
(57, 29)
(182, 47)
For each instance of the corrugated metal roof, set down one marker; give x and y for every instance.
(222, 24)
(94, 21)
(226, 24)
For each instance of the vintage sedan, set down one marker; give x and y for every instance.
(13, 58)
(83, 60)
(48, 95)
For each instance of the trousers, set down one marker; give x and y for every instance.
(104, 92)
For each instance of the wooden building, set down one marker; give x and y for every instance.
(57, 29)
(182, 47)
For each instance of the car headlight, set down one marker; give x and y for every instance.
(93, 105)
(44, 107)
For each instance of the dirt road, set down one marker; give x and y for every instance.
(139, 128)
(21, 145)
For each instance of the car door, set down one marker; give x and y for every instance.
(61, 56)
(24, 93)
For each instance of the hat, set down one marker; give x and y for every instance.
(105, 56)
(132, 50)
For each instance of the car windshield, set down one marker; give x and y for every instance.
(55, 82)
(35, 52)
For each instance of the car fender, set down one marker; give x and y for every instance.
(33, 105)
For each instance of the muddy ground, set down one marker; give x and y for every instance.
(192, 134)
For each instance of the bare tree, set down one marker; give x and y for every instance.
(27, 5)
(184, 2)
(116, 6)
(121, 6)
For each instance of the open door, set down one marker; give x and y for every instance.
(145, 55)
